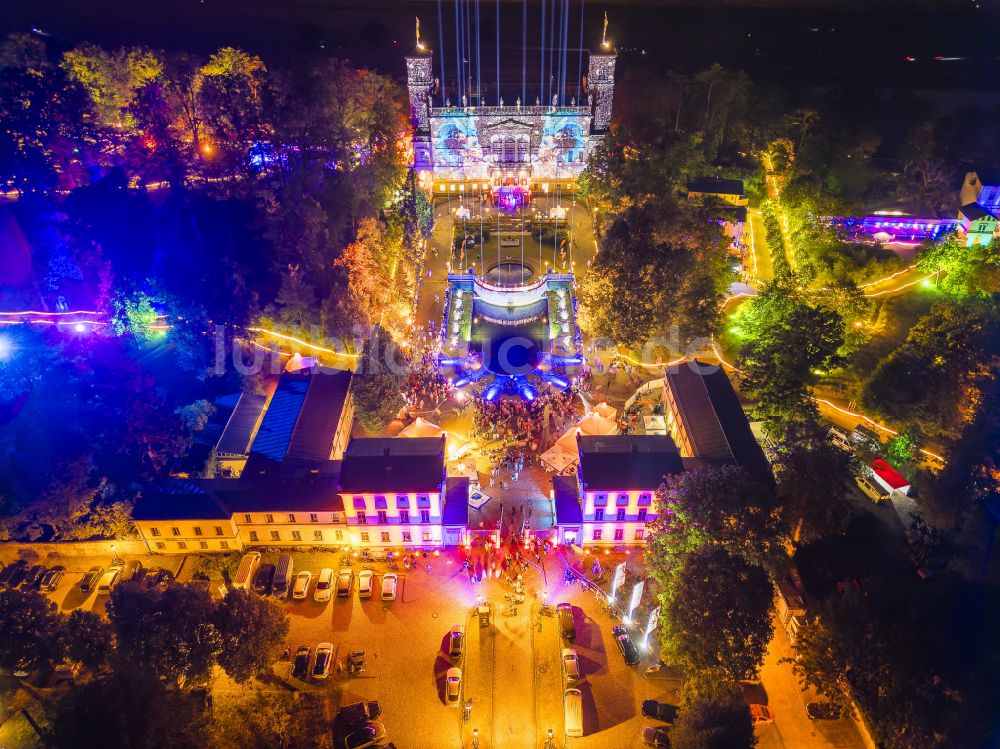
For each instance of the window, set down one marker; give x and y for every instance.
(339, 535)
(160, 545)
(427, 537)
(203, 544)
(643, 512)
(275, 536)
(599, 514)
(253, 535)
(380, 503)
(218, 530)
(407, 537)
(644, 499)
(640, 534)
(425, 516)
(197, 531)
(291, 517)
(359, 503)
(620, 516)
(223, 544)
(622, 500)
(383, 518)
(423, 500)
(246, 517)
(404, 516)
(269, 518)
(362, 519)
(619, 534)
(181, 545)
(402, 501)
(313, 517)
(154, 531)
(176, 531)
(296, 536)
(317, 535)
(364, 537)
(597, 534)
(385, 537)
(600, 500)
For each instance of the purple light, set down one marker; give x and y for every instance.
(492, 392)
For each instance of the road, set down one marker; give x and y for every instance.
(761, 265)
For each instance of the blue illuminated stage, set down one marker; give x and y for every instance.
(509, 340)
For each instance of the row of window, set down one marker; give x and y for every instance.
(382, 518)
(640, 534)
(386, 538)
(175, 531)
(620, 516)
(402, 502)
(621, 499)
(269, 517)
(161, 545)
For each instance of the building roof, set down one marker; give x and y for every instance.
(974, 212)
(178, 499)
(391, 464)
(241, 427)
(566, 492)
(456, 502)
(713, 418)
(302, 418)
(627, 462)
(888, 474)
(716, 186)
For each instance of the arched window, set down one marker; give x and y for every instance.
(509, 150)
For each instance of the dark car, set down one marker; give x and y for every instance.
(564, 612)
(659, 710)
(91, 578)
(33, 577)
(12, 575)
(456, 642)
(370, 734)
(624, 641)
(50, 581)
(823, 711)
(300, 668)
(358, 713)
(658, 737)
(263, 580)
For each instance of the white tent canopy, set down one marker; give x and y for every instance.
(422, 428)
(608, 412)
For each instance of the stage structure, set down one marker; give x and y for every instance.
(462, 142)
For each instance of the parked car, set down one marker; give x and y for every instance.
(67, 670)
(453, 687)
(283, 574)
(33, 577)
(301, 587)
(369, 735)
(389, 581)
(324, 585)
(624, 641)
(659, 710)
(345, 581)
(456, 641)
(18, 571)
(300, 666)
(761, 714)
(264, 578)
(655, 736)
(366, 580)
(570, 664)
(131, 571)
(564, 612)
(324, 655)
(823, 711)
(91, 578)
(50, 581)
(109, 580)
(358, 713)
(9, 571)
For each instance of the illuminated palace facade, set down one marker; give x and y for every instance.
(464, 147)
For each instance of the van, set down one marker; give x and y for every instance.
(573, 709)
(282, 576)
(841, 438)
(247, 569)
(108, 581)
(869, 487)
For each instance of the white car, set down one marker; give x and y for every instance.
(389, 581)
(571, 664)
(301, 587)
(453, 687)
(365, 583)
(324, 585)
(324, 655)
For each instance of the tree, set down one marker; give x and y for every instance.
(378, 384)
(820, 662)
(903, 451)
(296, 299)
(112, 80)
(131, 708)
(32, 631)
(253, 631)
(966, 272)
(171, 632)
(718, 614)
(372, 261)
(272, 720)
(89, 639)
(713, 715)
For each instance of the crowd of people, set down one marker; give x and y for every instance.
(426, 386)
(517, 421)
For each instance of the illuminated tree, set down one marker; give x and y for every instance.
(134, 315)
(372, 261)
(230, 95)
(112, 80)
(968, 272)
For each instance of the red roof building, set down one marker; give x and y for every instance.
(888, 477)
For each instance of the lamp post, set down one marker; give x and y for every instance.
(115, 559)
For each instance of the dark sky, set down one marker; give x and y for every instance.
(815, 41)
